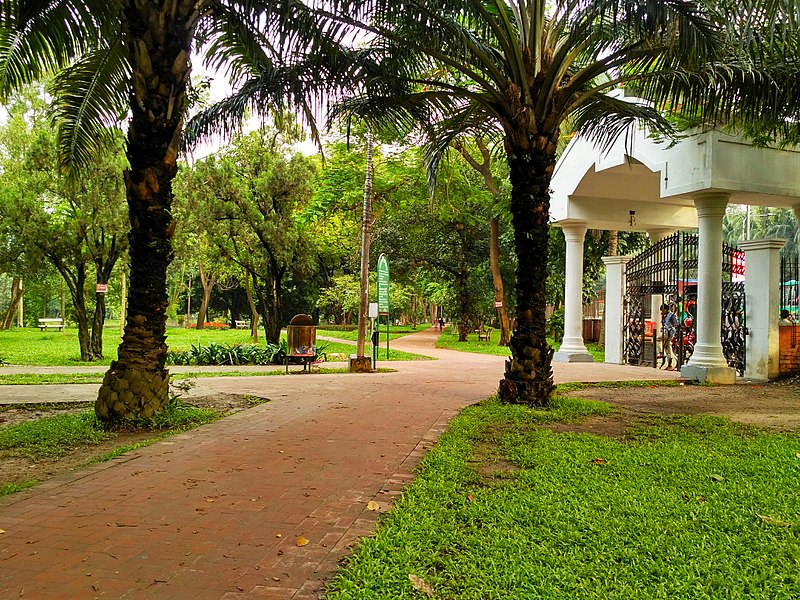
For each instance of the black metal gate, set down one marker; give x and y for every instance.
(790, 294)
(666, 273)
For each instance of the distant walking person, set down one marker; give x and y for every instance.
(669, 327)
(441, 324)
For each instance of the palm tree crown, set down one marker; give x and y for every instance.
(518, 71)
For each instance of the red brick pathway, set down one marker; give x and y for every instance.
(217, 512)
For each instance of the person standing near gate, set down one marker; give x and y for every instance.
(669, 327)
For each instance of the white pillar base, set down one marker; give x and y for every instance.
(724, 375)
(571, 351)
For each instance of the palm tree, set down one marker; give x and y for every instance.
(523, 68)
(112, 57)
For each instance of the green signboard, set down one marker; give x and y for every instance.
(383, 285)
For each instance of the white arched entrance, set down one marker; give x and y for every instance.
(641, 184)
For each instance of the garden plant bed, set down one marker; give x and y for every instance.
(18, 469)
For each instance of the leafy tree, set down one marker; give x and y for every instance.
(341, 298)
(442, 234)
(74, 225)
(247, 198)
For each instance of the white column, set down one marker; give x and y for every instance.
(572, 348)
(656, 235)
(762, 298)
(615, 299)
(708, 363)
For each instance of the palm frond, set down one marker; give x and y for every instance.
(39, 37)
(602, 119)
(89, 98)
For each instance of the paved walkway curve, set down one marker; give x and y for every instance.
(218, 512)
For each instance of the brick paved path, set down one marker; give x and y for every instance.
(217, 512)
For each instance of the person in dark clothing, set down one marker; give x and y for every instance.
(669, 327)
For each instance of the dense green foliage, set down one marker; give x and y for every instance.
(507, 508)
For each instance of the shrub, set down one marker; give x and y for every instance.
(227, 354)
(214, 325)
(555, 324)
(327, 327)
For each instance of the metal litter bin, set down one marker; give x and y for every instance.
(301, 340)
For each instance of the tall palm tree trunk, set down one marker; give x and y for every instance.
(529, 377)
(159, 40)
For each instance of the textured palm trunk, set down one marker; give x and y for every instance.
(529, 377)
(159, 40)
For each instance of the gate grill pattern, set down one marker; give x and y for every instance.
(790, 291)
(667, 273)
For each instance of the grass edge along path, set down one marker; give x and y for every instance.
(29, 346)
(503, 507)
(58, 435)
(449, 341)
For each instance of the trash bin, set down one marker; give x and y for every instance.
(301, 340)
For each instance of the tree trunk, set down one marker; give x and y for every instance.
(97, 324)
(208, 285)
(248, 289)
(485, 169)
(103, 270)
(462, 292)
(76, 283)
(365, 235)
(16, 294)
(159, 35)
(529, 377)
(499, 295)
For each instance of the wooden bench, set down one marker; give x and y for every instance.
(485, 336)
(242, 324)
(51, 324)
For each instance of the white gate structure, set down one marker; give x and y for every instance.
(643, 184)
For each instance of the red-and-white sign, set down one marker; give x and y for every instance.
(101, 288)
(498, 303)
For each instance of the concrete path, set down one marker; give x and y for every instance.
(224, 511)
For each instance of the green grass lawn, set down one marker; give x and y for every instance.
(450, 341)
(395, 331)
(505, 508)
(29, 346)
(56, 436)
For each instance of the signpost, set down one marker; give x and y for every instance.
(383, 294)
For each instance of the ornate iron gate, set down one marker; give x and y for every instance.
(666, 273)
(790, 293)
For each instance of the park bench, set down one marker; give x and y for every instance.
(242, 325)
(485, 335)
(51, 323)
